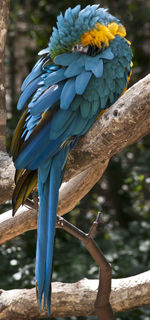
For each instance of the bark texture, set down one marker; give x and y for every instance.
(75, 298)
(4, 11)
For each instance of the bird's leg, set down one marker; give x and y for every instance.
(102, 305)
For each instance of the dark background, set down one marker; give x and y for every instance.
(123, 194)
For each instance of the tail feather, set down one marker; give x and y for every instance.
(42, 239)
(48, 194)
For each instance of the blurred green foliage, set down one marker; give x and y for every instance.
(123, 194)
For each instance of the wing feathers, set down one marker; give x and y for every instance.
(47, 100)
(17, 141)
(36, 71)
(27, 93)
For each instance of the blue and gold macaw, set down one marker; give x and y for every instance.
(84, 70)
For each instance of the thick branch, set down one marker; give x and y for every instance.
(4, 10)
(76, 299)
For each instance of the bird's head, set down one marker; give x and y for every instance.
(89, 31)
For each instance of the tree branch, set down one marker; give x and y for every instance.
(75, 298)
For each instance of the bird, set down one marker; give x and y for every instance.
(83, 71)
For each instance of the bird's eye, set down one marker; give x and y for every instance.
(79, 48)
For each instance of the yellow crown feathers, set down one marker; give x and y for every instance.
(103, 34)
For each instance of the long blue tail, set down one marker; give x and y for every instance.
(49, 180)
